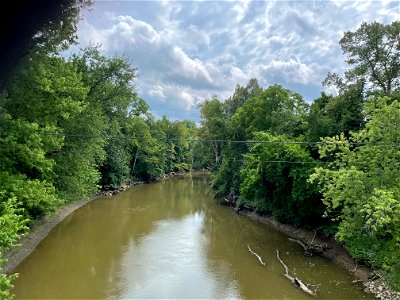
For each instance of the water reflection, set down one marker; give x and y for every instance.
(169, 240)
(171, 263)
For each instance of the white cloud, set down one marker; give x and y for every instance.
(186, 51)
(240, 7)
(158, 92)
(291, 70)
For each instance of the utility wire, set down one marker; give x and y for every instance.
(222, 140)
(316, 162)
(280, 161)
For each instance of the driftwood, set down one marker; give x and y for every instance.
(311, 249)
(256, 255)
(296, 282)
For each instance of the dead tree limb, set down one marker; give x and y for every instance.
(256, 255)
(300, 243)
(294, 280)
(311, 249)
(315, 233)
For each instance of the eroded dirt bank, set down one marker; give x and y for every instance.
(371, 279)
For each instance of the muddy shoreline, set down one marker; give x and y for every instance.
(372, 281)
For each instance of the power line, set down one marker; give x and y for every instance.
(280, 161)
(108, 136)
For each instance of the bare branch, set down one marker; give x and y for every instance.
(296, 282)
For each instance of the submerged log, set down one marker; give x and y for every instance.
(294, 280)
(256, 255)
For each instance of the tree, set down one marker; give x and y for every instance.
(241, 94)
(111, 100)
(373, 52)
(331, 116)
(275, 109)
(213, 127)
(153, 153)
(31, 28)
(361, 187)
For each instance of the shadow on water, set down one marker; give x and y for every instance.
(170, 240)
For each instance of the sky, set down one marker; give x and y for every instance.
(189, 51)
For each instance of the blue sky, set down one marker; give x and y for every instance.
(188, 51)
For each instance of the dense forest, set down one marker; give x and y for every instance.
(70, 127)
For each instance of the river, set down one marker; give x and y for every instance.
(171, 239)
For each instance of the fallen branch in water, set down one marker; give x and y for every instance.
(311, 249)
(258, 256)
(296, 282)
(300, 243)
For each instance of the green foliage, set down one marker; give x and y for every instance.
(25, 171)
(48, 91)
(6, 285)
(83, 150)
(115, 170)
(35, 196)
(11, 221)
(226, 180)
(12, 225)
(361, 188)
(275, 109)
(331, 116)
(213, 129)
(274, 180)
(24, 147)
(241, 95)
(49, 28)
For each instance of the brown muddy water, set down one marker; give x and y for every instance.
(171, 239)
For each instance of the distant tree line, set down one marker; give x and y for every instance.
(333, 165)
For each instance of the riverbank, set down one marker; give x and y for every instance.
(335, 252)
